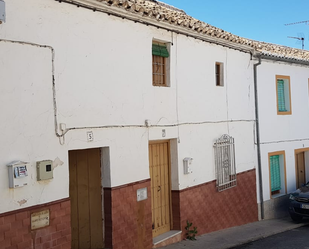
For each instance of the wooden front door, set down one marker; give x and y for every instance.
(86, 199)
(301, 176)
(160, 187)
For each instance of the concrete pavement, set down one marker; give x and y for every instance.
(236, 236)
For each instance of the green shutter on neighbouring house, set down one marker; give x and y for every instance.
(275, 173)
(281, 96)
(159, 50)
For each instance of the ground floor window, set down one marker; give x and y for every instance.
(277, 173)
(225, 162)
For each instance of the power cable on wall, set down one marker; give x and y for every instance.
(154, 126)
(66, 130)
(52, 72)
(286, 141)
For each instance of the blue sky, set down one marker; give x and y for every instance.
(260, 20)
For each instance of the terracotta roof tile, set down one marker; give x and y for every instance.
(166, 13)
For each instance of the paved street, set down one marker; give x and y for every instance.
(241, 235)
(296, 238)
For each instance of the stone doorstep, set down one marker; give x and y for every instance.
(167, 238)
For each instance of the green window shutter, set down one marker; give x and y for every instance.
(159, 50)
(281, 96)
(275, 173)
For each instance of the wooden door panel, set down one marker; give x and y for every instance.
(160, 187)
(166, 184)
(73, 197)
(83, 200)
(86, 199)
(151, 177)
(301, 169)
(156, 183)
(95, 201)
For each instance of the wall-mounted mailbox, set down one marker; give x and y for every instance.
(44, 170)
(18, 172)
(187, 165)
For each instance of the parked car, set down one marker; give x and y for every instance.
(299, 203)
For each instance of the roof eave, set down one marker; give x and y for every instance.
(280, 58)
(143, 19)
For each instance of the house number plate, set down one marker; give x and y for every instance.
(89, 136)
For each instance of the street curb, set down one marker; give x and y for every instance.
(239, 235)
(267, 235)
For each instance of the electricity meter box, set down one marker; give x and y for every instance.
(187, 165)
(44, 170)
(18, 174)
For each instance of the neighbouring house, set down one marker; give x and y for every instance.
(283, 104)
(123, 120)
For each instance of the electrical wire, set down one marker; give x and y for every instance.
(53, 78)
(286, 141)
(154, 126)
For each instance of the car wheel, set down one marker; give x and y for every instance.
(296, 218)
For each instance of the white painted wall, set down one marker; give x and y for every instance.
(26, 109)
(103, 76)
(282, 132)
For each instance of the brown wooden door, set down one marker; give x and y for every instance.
(160, 187)
(86, 199)
(301, 176)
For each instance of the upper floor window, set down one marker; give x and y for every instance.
(283, 95)
(160, 64)
(219, 74)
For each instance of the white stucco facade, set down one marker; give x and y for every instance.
(279, 133)
(102, 73)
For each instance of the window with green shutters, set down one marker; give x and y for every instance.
(275, 177)
(283, 95)
(160, 50)
(277, 173)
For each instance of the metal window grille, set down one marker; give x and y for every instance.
(225, 162)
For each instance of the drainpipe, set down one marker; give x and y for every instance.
(258, 136)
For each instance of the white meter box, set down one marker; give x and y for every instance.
(187, 162)
(18, 174)
(44, 170)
